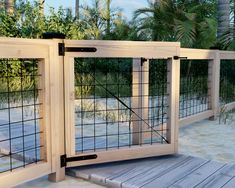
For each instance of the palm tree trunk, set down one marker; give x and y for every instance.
(77, 9)
(1, 4)
(9, 6)
(223, 17)
(41, 6)
(108, 3)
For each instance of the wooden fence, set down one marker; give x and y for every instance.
(47, 70)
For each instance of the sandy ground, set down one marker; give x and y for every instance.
(209, 139)
(69, 182)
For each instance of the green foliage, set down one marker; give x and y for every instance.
(15, 76)
(226, 116)
(227, 82)
(96, 76)
(192, 23)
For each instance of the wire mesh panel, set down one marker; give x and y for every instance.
(194, 97)
(158, 96)
(227, 81)
(115, 106)
(20, 117)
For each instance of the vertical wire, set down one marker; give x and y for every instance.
(118, 102)
(94, 105)
(130, 112)
(187, 100)
(152, 100)
(162, 102)
(183, 85)
(82, 112)
(140, 130)
(35, 114)
(227, 88)
(193, 93)
(22, 104)
(9, 112)
(106, 104)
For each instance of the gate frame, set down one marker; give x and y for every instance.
(58, 103)
(123, 49)
(41, 50)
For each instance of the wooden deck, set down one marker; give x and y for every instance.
(176, 171)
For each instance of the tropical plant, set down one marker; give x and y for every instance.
(188, 22)
(10, 6)
(223, 17)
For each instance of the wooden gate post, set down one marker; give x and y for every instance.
(214, 84)
(173, 90)
(140, 100)
(57, 111)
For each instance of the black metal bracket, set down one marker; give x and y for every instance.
(64, 159)
(143, 60)
(63, 49)
(177, 57)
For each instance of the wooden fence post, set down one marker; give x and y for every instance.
(57, 112)
(140, 100)
(214, 84)
(173, 90)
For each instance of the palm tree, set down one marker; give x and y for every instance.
(192, 24)
(223, 17)
(41, 6)
(10, 6)
(77, 9)
(1, 4)
(108, 3)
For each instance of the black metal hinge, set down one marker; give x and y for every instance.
(63, 49)
(64, 159)
(177, 57)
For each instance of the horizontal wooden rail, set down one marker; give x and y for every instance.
(197, 54)
(230, 106)
(194, 118)
(125, 49)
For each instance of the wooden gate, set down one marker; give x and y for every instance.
(121, 100)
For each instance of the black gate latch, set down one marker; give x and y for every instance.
(64, 159)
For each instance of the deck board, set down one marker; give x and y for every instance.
(230, 184)
(175, 174)
(220, 178)
(175, 171)
(198, 175)
(140, 171)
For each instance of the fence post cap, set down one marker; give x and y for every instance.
(53, 35)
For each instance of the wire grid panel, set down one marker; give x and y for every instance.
(194, 86)
(107, 110)
(227, 81)
(20, 116)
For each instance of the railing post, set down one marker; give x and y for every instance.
(140, 100)
(57, 111)
(173, 90)
(214, 84)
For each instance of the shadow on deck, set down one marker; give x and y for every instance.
(176, 171)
